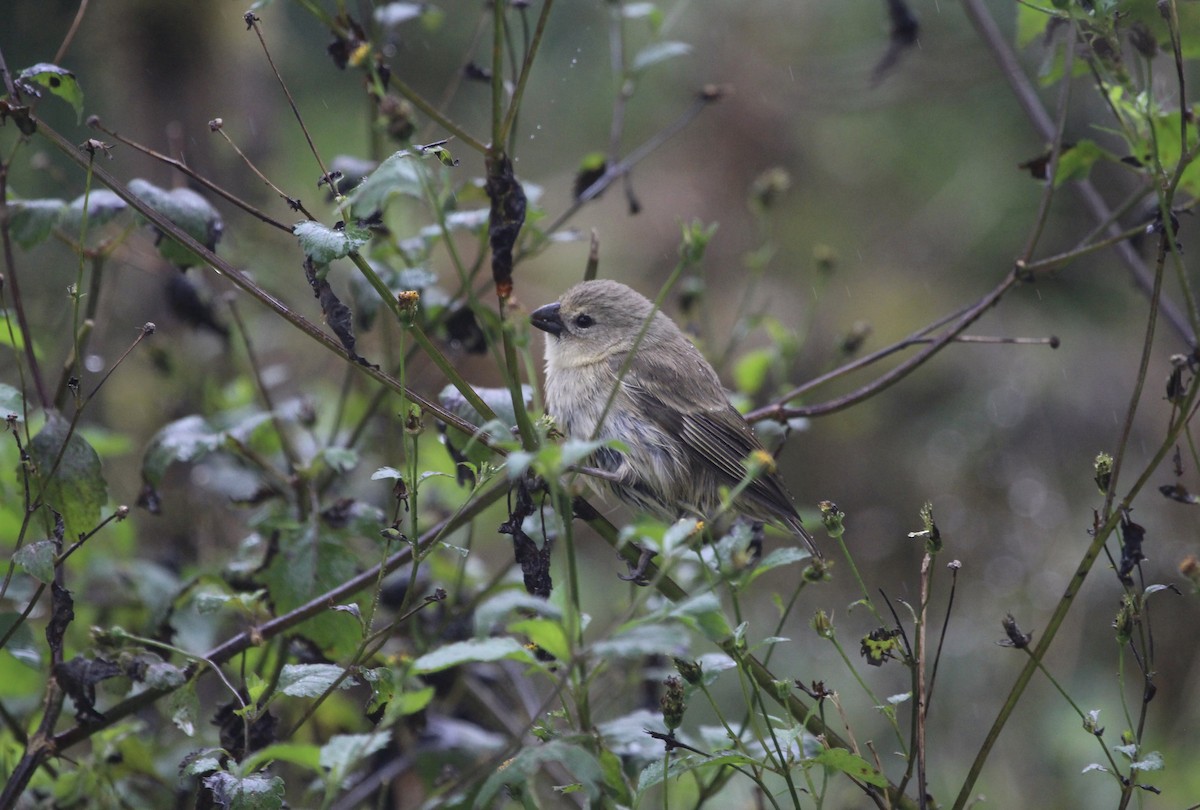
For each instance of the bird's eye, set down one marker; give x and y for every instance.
(583, 321)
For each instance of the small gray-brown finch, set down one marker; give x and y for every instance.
(684, 441)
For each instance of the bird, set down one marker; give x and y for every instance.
(682, 438)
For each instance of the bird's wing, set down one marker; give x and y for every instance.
(711, 429)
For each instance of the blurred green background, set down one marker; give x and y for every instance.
(912, 186)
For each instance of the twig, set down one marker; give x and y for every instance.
(95, 123)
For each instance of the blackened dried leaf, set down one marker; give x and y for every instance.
(593, 168)
(903, 36)
(1039, 167)
(880, 645)
(187, 305)
(1016, 638)
(507, 217)
(62, 613)
(349, 39)
(1132, 536)
(150, 500)
(338, 515)
(475, 73)
(337, 315)
(78, 678)
(534, 561)
(1177, 492)
(236, 738)
(464, 332)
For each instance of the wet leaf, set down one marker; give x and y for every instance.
(76, 488)
(189, 211)
(32, 220)
(102, 206)
(59, 81)
(659, 52)
(323, 245)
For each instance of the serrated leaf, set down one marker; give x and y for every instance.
(311, 680)
(37, 559)
(21, 645)
(306, 565)
(30, 221)
(102, 206)
(469, 652)
(76, 488)
(324, 245)
(659, 52)
(258, 791)
(59, 81)
(189, 211)
(839, 759)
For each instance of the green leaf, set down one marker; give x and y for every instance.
(1031, 24)
(750, 372)
(259, 791)
(102, 206)
(340, 459)
(492, 612)
(547, 634)
(468, 652)
(323, 245)
(37, 559)
(32, 220)
(580, 762)
(839, 759)
(306, 565)
(189, 211)
(641, 640)
(344, 751)
(76, 488)
(306, 756)
(703, 613)
(11, 401)
(785, 555)
(59, 81)
(400, 173)
(659, 52)
(311, 680)
(186, 439)
(498, 399)
(1076, 162)
(184, 706)
(21, 645)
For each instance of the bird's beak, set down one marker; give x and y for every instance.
(547, 319)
